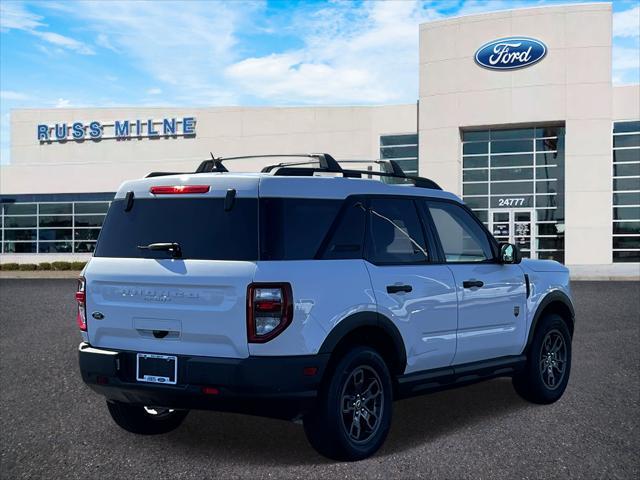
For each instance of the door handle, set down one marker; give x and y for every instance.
(472, 283)
(399, 288)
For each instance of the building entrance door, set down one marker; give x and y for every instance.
(514, 225)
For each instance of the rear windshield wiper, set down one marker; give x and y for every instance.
(173, 248)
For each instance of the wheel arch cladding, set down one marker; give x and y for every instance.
(370, 329)
(555, 302)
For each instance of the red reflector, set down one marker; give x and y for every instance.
(268, 305)
(178, 189)
(310, 371)
(80, 297)
(210, 391)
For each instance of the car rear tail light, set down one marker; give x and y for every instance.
(81, 298)
(269, 310)
(178, 189)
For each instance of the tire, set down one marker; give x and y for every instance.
(141, 420)
(546, 373)
(335, 428)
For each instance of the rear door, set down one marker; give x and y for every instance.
(491, 296)
(418, 296)
(147, 301)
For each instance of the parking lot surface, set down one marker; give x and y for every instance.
(52, 426)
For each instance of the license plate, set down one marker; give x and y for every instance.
(155, 368)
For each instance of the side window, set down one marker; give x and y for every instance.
(348, 237)
(462, 239)
(395, 232)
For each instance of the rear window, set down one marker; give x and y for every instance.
(200, 225)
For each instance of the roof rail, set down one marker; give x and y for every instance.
(326, 162)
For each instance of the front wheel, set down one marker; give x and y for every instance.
(353, 414)
(546, 374)
(145, 420)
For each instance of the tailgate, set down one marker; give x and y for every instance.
(173, 306)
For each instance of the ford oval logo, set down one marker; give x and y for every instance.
(510, 53)
(97, 315)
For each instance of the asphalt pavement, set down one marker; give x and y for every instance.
(53, 426)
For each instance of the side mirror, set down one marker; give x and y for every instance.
(509, 253)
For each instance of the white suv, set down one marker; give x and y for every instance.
(309, 292)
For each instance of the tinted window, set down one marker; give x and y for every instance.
(294, 228)
(200, 225)
(462, 239)
(395, 232)
(348, 237)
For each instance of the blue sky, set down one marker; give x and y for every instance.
(197, 53)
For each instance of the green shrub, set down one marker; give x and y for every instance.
(44, 266)
(10, 266)
(61, 265)
(27, 267)
(77, 265)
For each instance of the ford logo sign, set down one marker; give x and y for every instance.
(510, 53)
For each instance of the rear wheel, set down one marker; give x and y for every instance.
(145, 420)
(353, 414)
(546, 374)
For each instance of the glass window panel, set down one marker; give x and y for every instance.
(511, 146)
(91, 207)
(550, 243)
(54, 247)
(19, 247)
(557, 256)
(631, 256)
(475, 135)
(548, 214)
(482, 215)
(547, 187)
(85, 247)
(626, 242)
(17, 222)
(89, 220)
(626, 227)
(477, 202)
(632, 198)
(551, 158)
(547, 172)
(511, 187)
(86, 233)
(512, 134)
(549, 132)
(399, 139)
(501, 217)
(27, 234)
(409, 165)
(623, 127)
(20, 208)
(55, 208)
(626, 213)
(630, 155)
(626, 170)
(475, 189)
(550, 228)
(626, 183)
(626, 140)
(475, 175)
(549, 200)
(475, 148)
(475, 162)
(512, 174)
(520, 160)
(399, 152)
(55, 234)
(61, 221)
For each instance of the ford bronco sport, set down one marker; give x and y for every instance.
(309, 292)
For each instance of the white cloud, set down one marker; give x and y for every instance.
(154, 91)
(13, 95)
(62, 103)
(627, 23)
(626, 65)
(13, 16)
(103, 41)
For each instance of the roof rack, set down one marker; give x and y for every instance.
(326, 164)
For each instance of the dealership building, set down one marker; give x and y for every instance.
(516, 113)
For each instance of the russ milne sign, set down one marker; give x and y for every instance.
(510, 53)
(120, 130)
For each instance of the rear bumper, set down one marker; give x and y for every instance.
(268, 386)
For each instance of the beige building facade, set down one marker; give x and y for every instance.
(547, 154)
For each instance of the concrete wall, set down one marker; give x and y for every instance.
(100, 166)
(572, 84)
